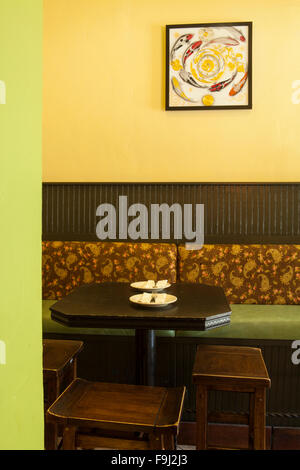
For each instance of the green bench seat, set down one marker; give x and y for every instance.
(280, 322)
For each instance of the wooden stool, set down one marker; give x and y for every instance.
(118, 416)
(236, 369)
(59, 370)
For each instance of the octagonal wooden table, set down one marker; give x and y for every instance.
(107, 305)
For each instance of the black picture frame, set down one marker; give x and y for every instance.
(169, 106)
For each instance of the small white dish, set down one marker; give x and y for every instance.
(140, 286)
(136, 299)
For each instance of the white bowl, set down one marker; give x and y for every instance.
(139, 286)
(136, 299)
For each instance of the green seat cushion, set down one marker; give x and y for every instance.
(256, 322)
(51, 326)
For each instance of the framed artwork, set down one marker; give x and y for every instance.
(209, 66)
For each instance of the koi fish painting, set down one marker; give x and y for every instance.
(209, 66)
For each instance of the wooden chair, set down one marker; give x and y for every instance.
(231, 368)
(118, 416)
(59, 370)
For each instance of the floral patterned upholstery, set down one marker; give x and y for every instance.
(250, 274)
(67, 265)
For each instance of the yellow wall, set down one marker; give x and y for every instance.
(104, 118)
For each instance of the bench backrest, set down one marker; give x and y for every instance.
(252, 274)
(69, 264)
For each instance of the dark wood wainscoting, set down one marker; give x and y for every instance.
(233, 212)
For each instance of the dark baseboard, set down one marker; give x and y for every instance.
(234, 435)
(286, 438)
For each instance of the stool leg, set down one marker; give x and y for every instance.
(251, 421)
(201, 419)
(156, 442)
(169, 441)
(69, 435)
(51, 390)
(50, 436)
(259, 419)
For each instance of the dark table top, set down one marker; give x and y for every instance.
(199, 307)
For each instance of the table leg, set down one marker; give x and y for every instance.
(145, 356)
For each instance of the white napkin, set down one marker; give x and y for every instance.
(149, 284)
(161, 284)
(145, 298)
(160, 298)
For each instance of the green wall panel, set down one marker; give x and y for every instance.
(21, 395)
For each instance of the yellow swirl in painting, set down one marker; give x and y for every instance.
(210, 65)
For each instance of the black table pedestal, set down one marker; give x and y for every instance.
(145, 352)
